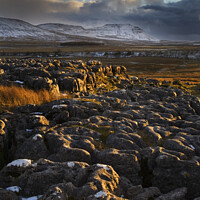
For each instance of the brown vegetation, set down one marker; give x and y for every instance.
(168, 69)
(13, 96)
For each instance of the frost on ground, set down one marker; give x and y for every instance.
(192, 146)
(37, 113)
(20, 82)
(100, 194)
(29, 130)
(59, 106)
(32, 198)
(37, 136)
(71, 164)
(20, 163)
(106, 167)
(14, 189)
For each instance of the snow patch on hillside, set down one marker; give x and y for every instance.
(121, 31)
(18, 29)
(108, 31)
(62, 28)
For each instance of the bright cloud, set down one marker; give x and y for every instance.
(171, 1)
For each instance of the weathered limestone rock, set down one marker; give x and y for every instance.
(141, 141)
(8, 195)
(126, 163)
(178, 194)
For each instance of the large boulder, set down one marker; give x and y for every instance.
(126, 163)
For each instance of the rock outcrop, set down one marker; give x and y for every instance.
(56, 76)
(140, 141)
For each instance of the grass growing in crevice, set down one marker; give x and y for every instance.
(13, 96)
(195, 90)
(106, 85)
(100, 145)
(192, 89)
(105, 131)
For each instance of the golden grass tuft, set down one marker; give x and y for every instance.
(13, 96)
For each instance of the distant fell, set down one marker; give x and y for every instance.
(108, 31)
(14, 29)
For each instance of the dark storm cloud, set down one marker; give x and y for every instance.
(180, 20)
(101, 12)
(37, 11)
(176, 20)
(22, 9)
(162, 9)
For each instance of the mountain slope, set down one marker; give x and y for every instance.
(121, 31)
(18, 29)
(109, 31)
(13, 29)
(63, 28)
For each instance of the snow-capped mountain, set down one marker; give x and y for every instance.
(18, 29)
(108, 31)
(121, 31)
(13, 29)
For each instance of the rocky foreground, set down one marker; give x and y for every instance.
(118, 138)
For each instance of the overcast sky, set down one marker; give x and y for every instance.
(165, 19)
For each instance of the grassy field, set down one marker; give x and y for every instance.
(170, 69)
(100, 45)
(161, 68)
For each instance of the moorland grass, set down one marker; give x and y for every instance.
(13, 96)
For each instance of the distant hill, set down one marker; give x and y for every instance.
(14, 29)
(63, 28)
(108, 31)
